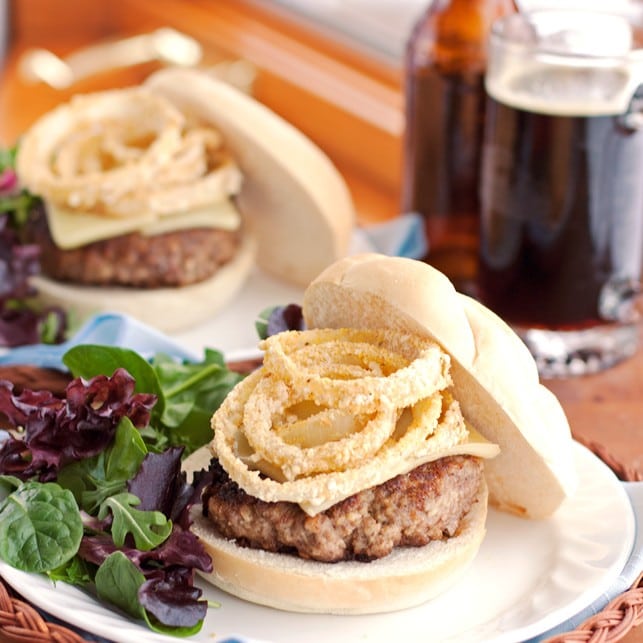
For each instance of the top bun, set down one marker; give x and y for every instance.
(292, 196)
(495, 378)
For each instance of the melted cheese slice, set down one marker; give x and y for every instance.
(72, 229)
(475, 445)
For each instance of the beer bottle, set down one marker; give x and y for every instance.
(445, 98)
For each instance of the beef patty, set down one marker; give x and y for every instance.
(409, 510)
(172, 259)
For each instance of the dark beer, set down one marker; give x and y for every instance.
(562, 215)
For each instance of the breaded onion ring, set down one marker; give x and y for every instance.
(124, 152)
(387, 391)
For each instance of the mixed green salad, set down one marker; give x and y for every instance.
(91, 487)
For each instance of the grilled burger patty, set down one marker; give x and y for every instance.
(172, 259)
(409, 510)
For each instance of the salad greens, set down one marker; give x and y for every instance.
(91, 487)
(277, 319)
(22, 321)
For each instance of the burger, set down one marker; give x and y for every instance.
(158, 200)
(351, 473)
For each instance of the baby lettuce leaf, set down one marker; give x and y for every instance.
(187, 392)
(89, 360)
(40, 527)
(120, 582)
(192, 391)
(160, 484)
(277, 319)
(148, 528)
(92, 480)
(59, 431)
(92, 443)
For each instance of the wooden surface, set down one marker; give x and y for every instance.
(607, 409)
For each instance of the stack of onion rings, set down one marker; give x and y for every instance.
(332, 412)
(125, 152)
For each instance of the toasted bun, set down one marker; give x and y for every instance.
(292, 195)
(168, 309)
(408, 576)
(494, 376)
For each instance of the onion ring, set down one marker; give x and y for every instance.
(269, 398)
(426, 367)
(383, 396)
(443, 429)
(125, 152)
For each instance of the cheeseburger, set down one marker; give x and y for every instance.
(157, 200)
(352, 471)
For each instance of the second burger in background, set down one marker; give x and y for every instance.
(151, 195)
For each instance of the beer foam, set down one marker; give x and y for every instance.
(565, 90)
(564, 63)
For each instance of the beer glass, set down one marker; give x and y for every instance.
(562, 185)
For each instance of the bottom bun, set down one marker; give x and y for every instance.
(167, 309)
(407, 577)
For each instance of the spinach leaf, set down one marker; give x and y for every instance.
(8, 484)
(40, 527)
(117, 582)
(148, 528)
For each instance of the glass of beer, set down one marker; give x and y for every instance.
(562, 186)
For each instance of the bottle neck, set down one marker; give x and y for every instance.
(452, 34)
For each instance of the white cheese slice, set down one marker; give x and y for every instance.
(72, 229)
(475, 445)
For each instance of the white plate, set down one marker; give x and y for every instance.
(528, 577)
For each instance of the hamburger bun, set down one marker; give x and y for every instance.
(495, 378)
(407, 577)
(292, 197)
(295, 210)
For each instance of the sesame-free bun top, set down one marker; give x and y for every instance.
(495, 378)
(292, 196)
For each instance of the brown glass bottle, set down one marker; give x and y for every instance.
(445, 99)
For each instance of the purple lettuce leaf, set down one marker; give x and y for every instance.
(160, 484)
(20, 322)
(171, 597)
(59, 431)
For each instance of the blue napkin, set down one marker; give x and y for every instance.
(402, 236)
(113, 329)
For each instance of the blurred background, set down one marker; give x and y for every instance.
(328, 66)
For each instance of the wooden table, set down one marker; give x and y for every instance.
(607, 409)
